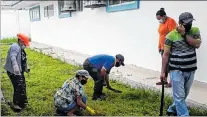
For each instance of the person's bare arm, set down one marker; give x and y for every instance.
(80, 102)
(193, 41)
(165, 58)
(103, 71)
(107, 81)
(84, 106)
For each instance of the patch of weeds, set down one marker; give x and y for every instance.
(4, 109)
(8, 41)
(198, 111)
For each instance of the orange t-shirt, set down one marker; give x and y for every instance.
(164, 29)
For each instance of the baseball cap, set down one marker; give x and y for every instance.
(186, 17)
(121, 59)
(83, 73)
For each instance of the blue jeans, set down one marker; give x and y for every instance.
(181, 84)
(72, 106)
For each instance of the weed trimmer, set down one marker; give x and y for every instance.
(162, 98)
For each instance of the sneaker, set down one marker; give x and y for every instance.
(17, 108)
(168, 85)
(104, 83)
(103, 94)
(171, 113)
(100, 97)
(103, 97)
(79, 112)
(23, 105)
(60, 113)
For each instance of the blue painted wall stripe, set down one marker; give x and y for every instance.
(122, 7)
(65, 15)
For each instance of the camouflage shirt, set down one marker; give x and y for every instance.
(67, 94)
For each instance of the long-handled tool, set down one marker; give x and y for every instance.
(115, 90)
(162, 99)
(106, 78)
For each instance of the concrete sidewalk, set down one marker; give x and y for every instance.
(130, 74)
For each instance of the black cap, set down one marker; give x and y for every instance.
(186, 17)
(121, 59)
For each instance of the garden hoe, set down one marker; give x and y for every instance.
(162, 99)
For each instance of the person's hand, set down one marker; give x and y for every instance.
(16, 70)
(159, 50)
(28, 72)
(181, 29)
(163, 77)
(103, 72)
(108, 87)
(91, 111)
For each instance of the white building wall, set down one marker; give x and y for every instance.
(132, 33)
(13, 22)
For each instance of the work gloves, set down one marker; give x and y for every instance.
(91, 111)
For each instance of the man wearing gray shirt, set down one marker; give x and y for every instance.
(16, 65)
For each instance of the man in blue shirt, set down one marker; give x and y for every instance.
(99, 66)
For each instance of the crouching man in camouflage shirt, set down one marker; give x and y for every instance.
(71, 95)
(181, 45)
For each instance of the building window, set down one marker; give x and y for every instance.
(122, 5)
(65, 7)
(49, 11)
(34, 13)
(62, 4)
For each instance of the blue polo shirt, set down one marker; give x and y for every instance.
(102, 60)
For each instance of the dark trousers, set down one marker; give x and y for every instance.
(95, 74)
(19, 85)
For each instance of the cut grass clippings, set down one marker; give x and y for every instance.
(48, 74)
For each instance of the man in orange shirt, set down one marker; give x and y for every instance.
(167, 24)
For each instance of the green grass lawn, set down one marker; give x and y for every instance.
(48, 74)
(8, 40)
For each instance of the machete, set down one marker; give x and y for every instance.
(114, 90)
